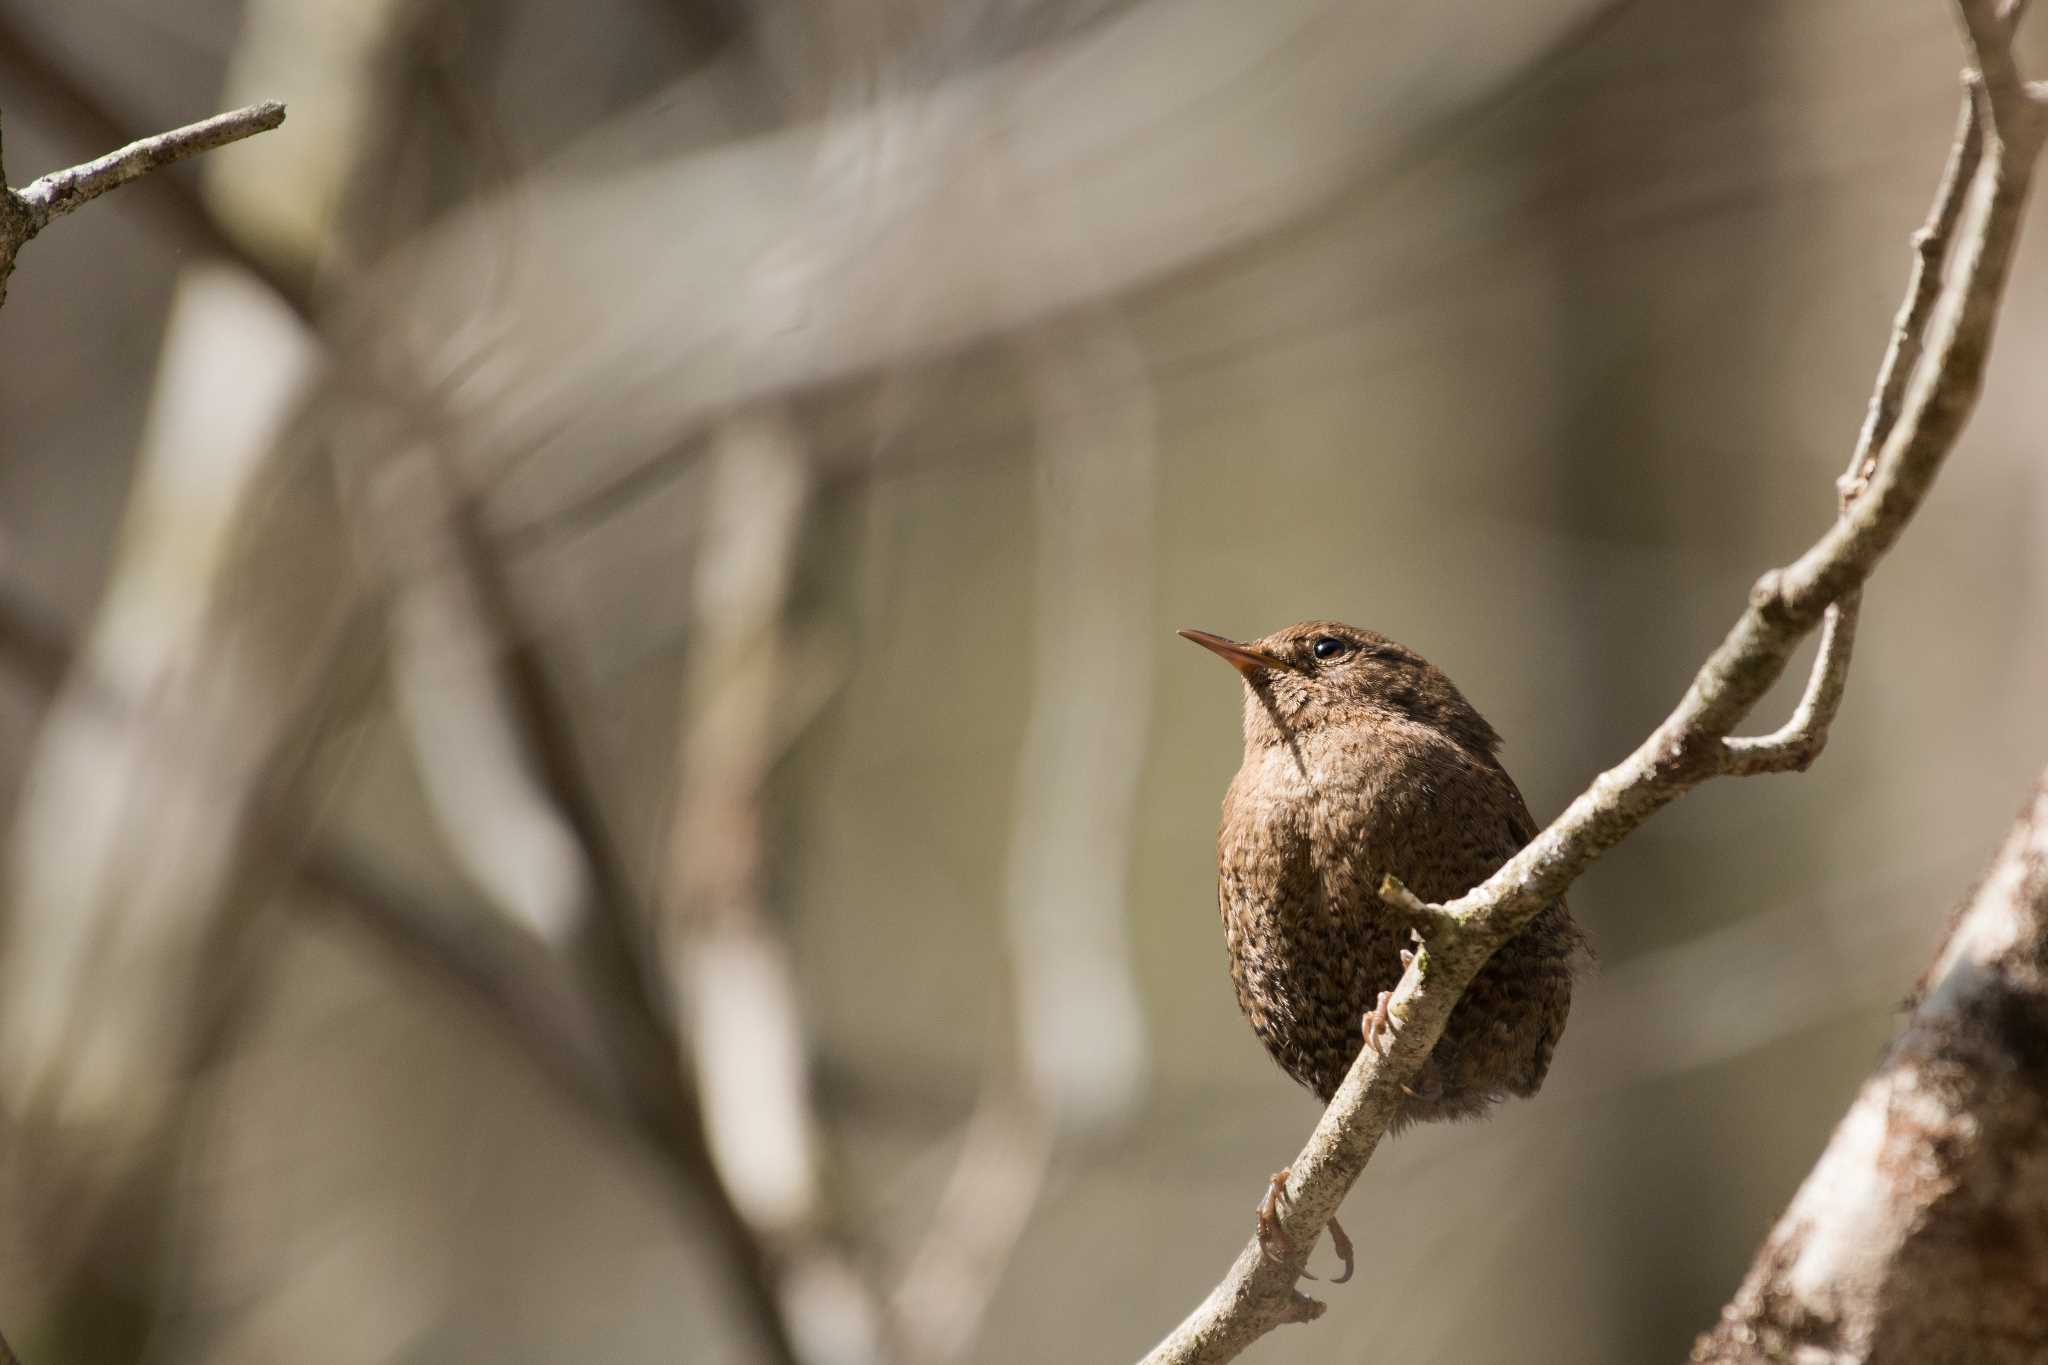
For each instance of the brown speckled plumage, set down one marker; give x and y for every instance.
(1356, 765)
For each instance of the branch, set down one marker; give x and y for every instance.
(730, 967)
(1931, 246)
(1867, 1264)
(25, 212)
(1692, 745)
(59, 192)
(1987, 30)
(1079, 1038)
(599, 1046)
(1797, 743)
(613, 942)
(84, 117)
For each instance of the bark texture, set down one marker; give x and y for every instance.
(1922, 1234)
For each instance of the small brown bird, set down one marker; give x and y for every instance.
(1360, 760)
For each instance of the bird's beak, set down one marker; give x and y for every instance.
(1243, 658)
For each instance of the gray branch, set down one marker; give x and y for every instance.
(1926, 390)
(1794, 746)
(1942, 1264)
(27, 211)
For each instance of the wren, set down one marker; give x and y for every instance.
(1360, 760)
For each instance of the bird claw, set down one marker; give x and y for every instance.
(1276, 1244)
(1379, 1022)
(1270, 1234)
(1432, 1085)
(1345, 1251)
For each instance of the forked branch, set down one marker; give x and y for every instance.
(1926, 389)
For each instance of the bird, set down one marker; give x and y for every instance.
(1362, 760)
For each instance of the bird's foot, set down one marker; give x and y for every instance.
(1432, 1085)
(1278, 1247)
(1379, 1023)
(1272, 1240)
(1379, 1026)
(1345, 1251)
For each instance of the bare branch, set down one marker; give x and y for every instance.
(1395, 892)
(1691, 745)
(87, 117)
(1988, 29)
(1869, 1265)
(1909, 329)
(1787, 603)
(730, 968)
(27, 211)
(1795, 745)
(59, 192)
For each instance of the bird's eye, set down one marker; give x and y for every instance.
(1329, 647)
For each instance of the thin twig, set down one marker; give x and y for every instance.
(730, 966)
(1988, 29)
(981, 1215)
(27, 211)
(1079, 1037)
(59, 192)
(1909, 329)
(1688, 748)
(88, 118)
(614, 940)
(1797, 743)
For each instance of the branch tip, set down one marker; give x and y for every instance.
(1302, 1308)
(1395, 892)
(58, 193)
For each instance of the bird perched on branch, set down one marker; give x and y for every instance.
(1362, 760)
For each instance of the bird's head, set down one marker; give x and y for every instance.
(1324, 673)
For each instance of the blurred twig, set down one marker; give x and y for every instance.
(610, 953)
(1101, 262)
(1079, 1025)
(601, 1053)
(1693, 744)
(980, 1216)
(131, 847)
(730, 968)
